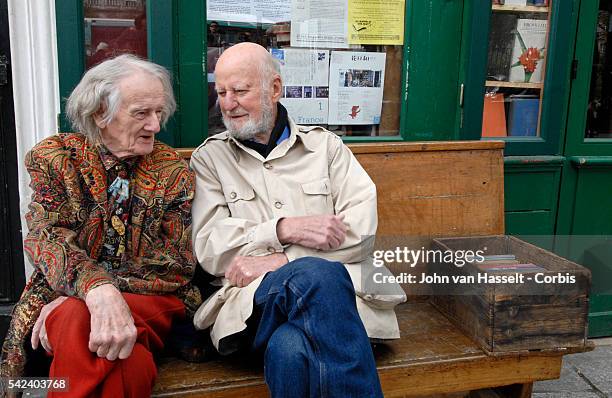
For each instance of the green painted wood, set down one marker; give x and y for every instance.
(70, 51)
(433, 47)
(533, 160)
(591, 161)
(161, 50)
(531, 189)
(530, 223)
(584, 230)
(192, 95)
(473, 67)
(576, 144)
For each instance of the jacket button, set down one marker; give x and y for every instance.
(267, 166)
(271, 249)
(278, 205)
(233, 195)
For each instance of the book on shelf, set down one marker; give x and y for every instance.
(523, 115)
(519, 3)
(494, 116)
(528, 54)
(501, 45)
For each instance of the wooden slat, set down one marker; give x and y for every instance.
(495, 83)
(438, 193)
(432, 357)
(383, 147)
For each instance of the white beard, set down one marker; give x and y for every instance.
(252, 127)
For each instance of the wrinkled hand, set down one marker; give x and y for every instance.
(39, 332)
(113, 333)
(325, 232)
(244, 270)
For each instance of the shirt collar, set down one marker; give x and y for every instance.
(109, 160)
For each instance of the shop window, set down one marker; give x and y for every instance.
(599, 111)
(341, 61)
(517, 57)
(113, 27)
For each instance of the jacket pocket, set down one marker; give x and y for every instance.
(317, 197)
(238, 199)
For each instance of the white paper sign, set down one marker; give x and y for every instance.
(307, 110)
(252, 11)
(303, 67)
(319, 23)
(356, 81)
(305, 76)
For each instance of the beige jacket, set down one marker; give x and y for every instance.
(240, 196)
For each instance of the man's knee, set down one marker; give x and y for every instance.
(323, 273)
(286, 347)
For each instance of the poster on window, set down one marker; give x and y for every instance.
(356, 81)
(251, 11)
(305, 76)
(376, 22)
(319, 23)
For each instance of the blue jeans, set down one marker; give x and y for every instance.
(310, 333)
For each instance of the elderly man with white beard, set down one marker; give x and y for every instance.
(284, 216)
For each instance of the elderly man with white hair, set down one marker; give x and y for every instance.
(284, 216)
(109, 236)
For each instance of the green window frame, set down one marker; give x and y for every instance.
(430, 108)
(576, 144)
(556, 83)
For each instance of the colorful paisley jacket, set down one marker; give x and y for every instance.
(67, 220)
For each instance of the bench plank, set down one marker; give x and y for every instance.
(432, 357)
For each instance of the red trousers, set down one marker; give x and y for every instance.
(88, 375)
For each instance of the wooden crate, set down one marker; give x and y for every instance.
(509, 317)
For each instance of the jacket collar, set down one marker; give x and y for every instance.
(94, 171)
(296, 133)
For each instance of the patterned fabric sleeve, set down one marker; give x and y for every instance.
(51, 241)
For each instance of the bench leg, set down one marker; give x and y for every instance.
(512, 391)
(519, 390)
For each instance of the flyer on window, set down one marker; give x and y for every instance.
(305, 76)
(250, 11)
(376, 22)
(319, 23)
(356, 81)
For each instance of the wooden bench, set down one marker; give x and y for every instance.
(425, 190)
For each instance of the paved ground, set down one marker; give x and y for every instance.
(586, 375)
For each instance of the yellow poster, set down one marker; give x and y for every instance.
(376, 22)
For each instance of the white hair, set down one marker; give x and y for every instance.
(99, 88)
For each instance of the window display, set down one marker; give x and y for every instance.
(112, 28)
(599, 111)
(516, 68)
(331, 77)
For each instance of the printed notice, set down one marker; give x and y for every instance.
(251, 11)
(305, 83)
(356, 81)
(319, 23)
(376, 22)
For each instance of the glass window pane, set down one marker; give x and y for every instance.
(350, 82)
(114, 27)
(516, 68)
(599, 112)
